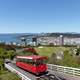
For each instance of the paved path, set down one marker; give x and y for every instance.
(31, 76)
(62, 75)
(66, 76)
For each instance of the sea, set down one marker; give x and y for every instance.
(8, 38)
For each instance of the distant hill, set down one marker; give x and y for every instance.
(72, 35)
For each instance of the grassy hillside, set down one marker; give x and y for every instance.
(8, 76)
(68, 59)
(48, 51)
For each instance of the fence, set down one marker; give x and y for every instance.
(16, 71)
(63, 69)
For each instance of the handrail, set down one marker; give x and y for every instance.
(63, 69)
(24, 77)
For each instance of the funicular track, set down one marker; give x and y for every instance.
(28, 76)
(50, 77)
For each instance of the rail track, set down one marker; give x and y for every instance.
(28, 76)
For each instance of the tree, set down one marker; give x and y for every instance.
(2, 53)
(53, 59)
(78, 51)
(10, 54)
(1, 64)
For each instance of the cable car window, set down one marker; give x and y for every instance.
(32, 62)
(39, 62)
(27, 61)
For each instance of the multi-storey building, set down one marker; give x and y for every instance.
(56, 39)
(59, 40)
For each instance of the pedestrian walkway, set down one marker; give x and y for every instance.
(66, 76)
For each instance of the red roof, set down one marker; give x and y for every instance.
(32, 57)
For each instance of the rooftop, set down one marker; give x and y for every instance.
(34, 57)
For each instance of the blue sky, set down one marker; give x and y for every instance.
(35, 16)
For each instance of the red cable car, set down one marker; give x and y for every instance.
(33, 63)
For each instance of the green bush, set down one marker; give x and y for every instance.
(9, 76)
(68, 60)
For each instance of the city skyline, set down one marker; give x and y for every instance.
(37, 16)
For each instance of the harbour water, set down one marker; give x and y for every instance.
(7, 38)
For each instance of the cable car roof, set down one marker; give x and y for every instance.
(35, 57)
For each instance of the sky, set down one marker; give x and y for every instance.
(37, 16)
